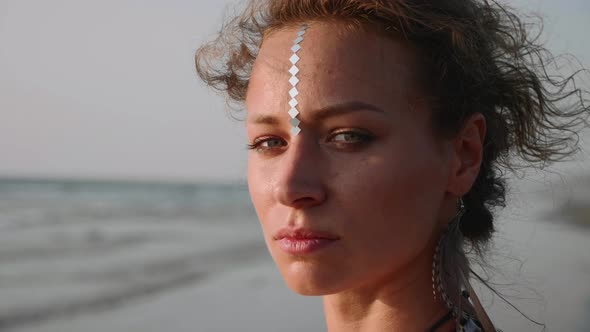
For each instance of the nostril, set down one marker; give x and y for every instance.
(304, 201)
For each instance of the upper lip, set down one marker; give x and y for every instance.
(303, 233)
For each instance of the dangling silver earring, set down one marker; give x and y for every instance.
(450, 278)
(441, 281)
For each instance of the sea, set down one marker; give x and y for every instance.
(69, 247)
(87, 251)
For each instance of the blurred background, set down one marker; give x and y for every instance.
(123, 199)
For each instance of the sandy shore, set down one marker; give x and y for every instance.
(251, 298)
(249, 294)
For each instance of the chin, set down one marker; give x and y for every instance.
(309, 279)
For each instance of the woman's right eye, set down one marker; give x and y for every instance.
(265, 144)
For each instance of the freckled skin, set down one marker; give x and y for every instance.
(386, 199)
(378, 179)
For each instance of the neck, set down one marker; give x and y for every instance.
(400, 301)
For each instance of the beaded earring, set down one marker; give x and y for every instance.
(450, 279)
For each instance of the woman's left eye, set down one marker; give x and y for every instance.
(351, 137)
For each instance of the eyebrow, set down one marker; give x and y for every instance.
(324, 112)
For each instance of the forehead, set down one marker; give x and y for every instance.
(336, 63)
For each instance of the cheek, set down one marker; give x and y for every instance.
(397, 173)
(260, 186)
(393, 208)
(256, 185)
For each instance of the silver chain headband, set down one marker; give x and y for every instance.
(293, 112)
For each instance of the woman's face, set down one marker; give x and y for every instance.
(365, 168)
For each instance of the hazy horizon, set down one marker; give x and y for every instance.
(108, 90)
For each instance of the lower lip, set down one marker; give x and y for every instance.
(303, 246)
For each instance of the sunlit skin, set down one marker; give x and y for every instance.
(366, 166)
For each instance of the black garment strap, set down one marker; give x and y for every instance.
(441, 321)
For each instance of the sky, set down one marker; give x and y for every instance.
(107, 89)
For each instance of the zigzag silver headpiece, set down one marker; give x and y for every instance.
(293, 112)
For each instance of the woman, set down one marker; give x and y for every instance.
(378, 131)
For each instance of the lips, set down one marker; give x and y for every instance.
(303, 234)
(303, 246)
(303, 241)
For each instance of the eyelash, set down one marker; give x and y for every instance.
(364, 138)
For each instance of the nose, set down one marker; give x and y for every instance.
(299, 182)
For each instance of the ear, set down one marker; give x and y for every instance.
(467, 155)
